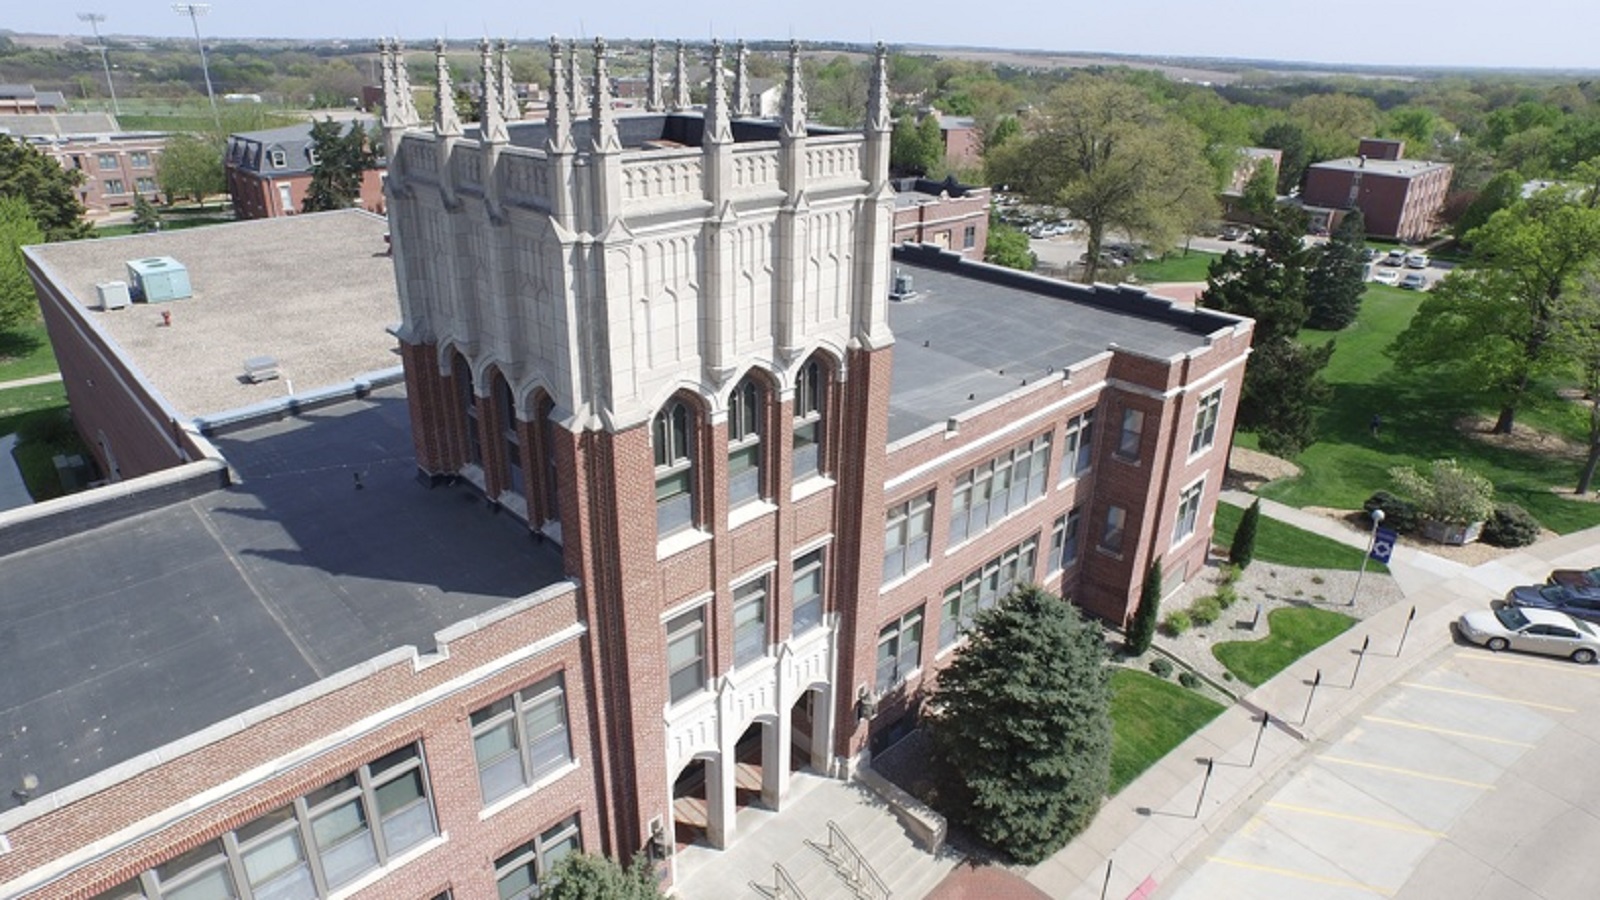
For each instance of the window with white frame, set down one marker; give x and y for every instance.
(750, 621)
(808, 391)
(1132, 434)
(1111, 536)
(144, 184)
(673, 439)
(1077, 454)
(116, 186)
(108, 162)
(808, 605)
(1065, 540)
(520, 739)
(906, 540)
(984, 587)
(969, 237)
(139, 159)
(309, 847)
(686, 653)
(1188, 510)
(999, 487)
(745, 411)
(521, 874)
(899, 649)
(279, 159)
(1205, 422)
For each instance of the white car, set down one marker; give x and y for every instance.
(1386, 276)
(1532, 631)
(1416, 261)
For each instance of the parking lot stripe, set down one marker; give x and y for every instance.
(1301, 876)
(1568, 668)
(1481, 696)
(1363, 820)
(1398, 723)
(1411, 773)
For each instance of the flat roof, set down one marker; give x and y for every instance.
(123, 638)
(1402, 168)
(974, 330)
(316, 292)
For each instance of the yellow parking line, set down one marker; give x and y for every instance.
(1569, 668)
(1301, 876)
(1449, 731)
(1481, 696)
(1411, 773)
(1376, 823)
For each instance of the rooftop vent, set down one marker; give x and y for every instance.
(900, 287)
(112, 294)
(158, 279)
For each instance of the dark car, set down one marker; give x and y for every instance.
(1576, 578)
(1580, 604)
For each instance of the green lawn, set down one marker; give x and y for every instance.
(173, 221)
(1287, 545)
(1150, 716)
(1178, 266)
(25, 353)
(1296, 631)
(38, 415)
(1347, 464)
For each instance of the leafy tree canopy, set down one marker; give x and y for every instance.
(342, 155)
(50, 192)
(585, 876)
(1008, 247)
(17, 230)
(1335, 286)
(190, 166)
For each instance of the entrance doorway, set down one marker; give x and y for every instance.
(748, 760)
(691, 811)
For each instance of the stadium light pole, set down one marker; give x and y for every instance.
(94, 20)
(194, 11)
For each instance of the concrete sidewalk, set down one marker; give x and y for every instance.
(1147, 831)
(28, 382)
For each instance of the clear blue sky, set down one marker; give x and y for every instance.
(1530, 33)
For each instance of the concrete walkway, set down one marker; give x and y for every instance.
(1150, 831)
(28, 382)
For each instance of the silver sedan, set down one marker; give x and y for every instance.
(1533, 631)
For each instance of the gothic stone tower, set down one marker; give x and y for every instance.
(660, 340)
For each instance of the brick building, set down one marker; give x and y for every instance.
(268, 172)
(1399, 198)
(116, 164)
(664, 346)
(943, 213)
(22, 99)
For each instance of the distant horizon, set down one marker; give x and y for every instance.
(1544, 35)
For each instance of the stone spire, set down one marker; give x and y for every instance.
(445, 123)
(575, 77)
(510, 106)
(680, 82)
(391, 98)
(741, 83)
(794, 95)
(603, 124)
(878, 92)
(402, 87)
(559, 132)
(652, 101)
(491, 123)
(717, 129)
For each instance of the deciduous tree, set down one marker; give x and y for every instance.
(50, 192)
(1022, 717)
(1007, 246)
(1334, 287)
(586, 876)
(1261, 191)
(1296, 147)
(1502, 190)
(342, 155)
(17, 230)
(190, 166)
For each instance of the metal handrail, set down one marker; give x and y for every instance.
(783, 886)
(861, 866)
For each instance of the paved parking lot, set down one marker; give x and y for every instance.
(1473, 778)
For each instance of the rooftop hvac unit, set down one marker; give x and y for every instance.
(900, 287)
(158, 279)
(112, 294)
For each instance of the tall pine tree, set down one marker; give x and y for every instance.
(342, 156)
(1334, 288)
(1143, 628)
(1243, 548)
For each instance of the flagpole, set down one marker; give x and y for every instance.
(1377, 519)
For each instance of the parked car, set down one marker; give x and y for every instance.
(1368, 254)
(1386, 276)
(1580, 604)
(1394, 258)
(1531, 631)
(1416, 261)
(1414, 281)
(1576, 578)
(1231, 233)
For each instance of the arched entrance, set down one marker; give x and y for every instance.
(691, 802)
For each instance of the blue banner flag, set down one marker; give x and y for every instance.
(1383, 541)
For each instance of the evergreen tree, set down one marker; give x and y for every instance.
(1333, 292)
(1243, 548)
(905, 145)
(1023, 724)
(342, 155)
(145, 217)
(1296, 147)
(585, 876)
(50, 191)
(930, 140)
(18, 305)
(1143, 629)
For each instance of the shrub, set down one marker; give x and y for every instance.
(1176, 623)
(1243, 548)
(1227, 595)
(1143, 627)
(1398, 515)
(1205, 610)
(1230, 575)
(1161, 666)
(1510, 526)
(1189, 680)
(1448, 493)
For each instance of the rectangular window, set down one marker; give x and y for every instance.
(984, 587)
(1077, 454)
(808, 592)
(139, 159)
(686, 653)
(521, 738)
(969, 237)
(899, 649)
(1188, 510)
(1132, 434)
(1205, 422)
(999, 487)
(1064, 540)
(519, 874)
(750, 621)
(906, 536)
(108, 162)
(115, 186)
(279, 159)
(671, 439)
(1111, 537)
(145, 184)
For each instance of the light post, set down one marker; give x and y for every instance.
(1377, 519)
(194, 11)
(94, 20)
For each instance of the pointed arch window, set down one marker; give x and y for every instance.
(672, 436)
(506, 412)
(808, 400)
(467, 396)
(746, 409)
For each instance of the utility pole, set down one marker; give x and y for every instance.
(94, 20)
(194, 11)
